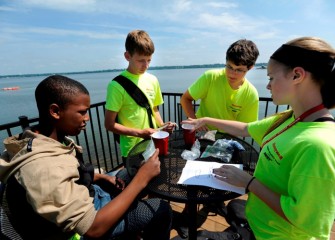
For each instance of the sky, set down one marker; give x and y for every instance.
(58, 36)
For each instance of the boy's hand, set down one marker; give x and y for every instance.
(110, 184)
(169, 127)
(117, 182)
(198, 124)
(151, 168)
(146, 133)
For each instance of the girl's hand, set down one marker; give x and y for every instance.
(232, 175)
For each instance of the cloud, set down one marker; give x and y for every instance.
(184, 31)
(62, 32)
(224, 20)
(197, 14)
(65, 5)
(222, 4)
(7, 9)
(267, 35)
(232, 23)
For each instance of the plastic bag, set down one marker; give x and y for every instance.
(194, 153)
(149, 151)
(222, 149)
(207, 135)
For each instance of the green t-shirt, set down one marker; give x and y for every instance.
(219, 100)
(299, 164)
(130, 114)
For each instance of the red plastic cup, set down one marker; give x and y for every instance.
(189, 134)
(161, 141)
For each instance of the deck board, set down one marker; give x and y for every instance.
(213, 222)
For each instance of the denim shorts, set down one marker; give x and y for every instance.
(101, 198)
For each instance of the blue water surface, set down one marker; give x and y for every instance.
(22, 102)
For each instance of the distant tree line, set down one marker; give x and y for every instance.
(215, 65)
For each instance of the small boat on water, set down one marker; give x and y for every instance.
(11, 88)
(261, 67)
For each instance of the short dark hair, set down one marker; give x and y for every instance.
(138, 41)
(242, 52)
(56, 89)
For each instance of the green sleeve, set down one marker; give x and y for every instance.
(199, 88)
(257, 129)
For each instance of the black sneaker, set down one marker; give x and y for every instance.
(179, 223)
(216, 208)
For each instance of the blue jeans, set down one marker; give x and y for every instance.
(152, 217)
(101, 198)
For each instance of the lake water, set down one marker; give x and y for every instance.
(22, 101)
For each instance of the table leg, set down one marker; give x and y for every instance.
(192, 221)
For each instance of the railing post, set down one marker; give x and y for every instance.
(23, 122)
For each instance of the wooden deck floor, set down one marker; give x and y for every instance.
(216, 223)
(212, 223)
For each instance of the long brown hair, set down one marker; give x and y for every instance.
(283, 117)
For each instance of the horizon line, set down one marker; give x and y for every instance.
(121, 69)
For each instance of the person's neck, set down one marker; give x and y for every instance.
(130, 70)
(318, 113)
(237, 85)
(301, 103)
(43, 129)
(51, 133)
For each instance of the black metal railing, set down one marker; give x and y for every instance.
(99, 146)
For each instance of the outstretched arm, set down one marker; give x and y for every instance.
(232, 127)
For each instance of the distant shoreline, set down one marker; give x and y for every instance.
(216, 65)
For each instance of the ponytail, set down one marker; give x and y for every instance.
(284, 116)
(327, 90)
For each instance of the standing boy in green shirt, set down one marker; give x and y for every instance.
(133, 120)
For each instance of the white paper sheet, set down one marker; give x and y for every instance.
(200, 173)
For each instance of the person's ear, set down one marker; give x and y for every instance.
(298, 73)
(54, 111)
(127, 55)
